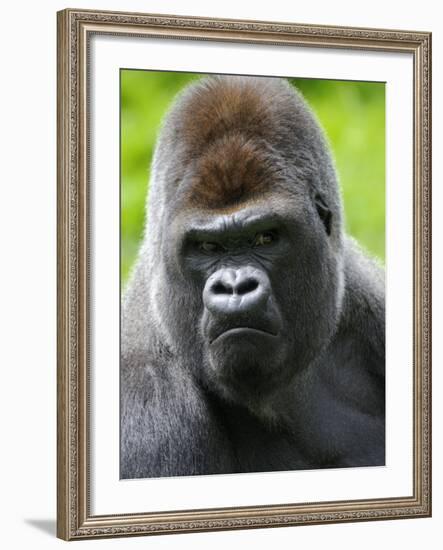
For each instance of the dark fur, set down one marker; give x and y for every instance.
(312, 398)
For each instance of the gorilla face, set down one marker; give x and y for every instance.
(262, 285)
(251, 239)
(241, 322)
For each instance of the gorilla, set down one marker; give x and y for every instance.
(253, 328)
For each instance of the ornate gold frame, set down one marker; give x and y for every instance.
(74, 520)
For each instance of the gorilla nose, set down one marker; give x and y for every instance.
(230, 291)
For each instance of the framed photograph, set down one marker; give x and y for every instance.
(244, 288)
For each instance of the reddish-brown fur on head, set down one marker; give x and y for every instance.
(227, 125)
(233, 170)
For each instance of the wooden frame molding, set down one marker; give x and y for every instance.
(75, 28)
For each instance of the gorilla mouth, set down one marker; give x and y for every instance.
(243, 331)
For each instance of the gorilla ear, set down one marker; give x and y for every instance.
(324, 213)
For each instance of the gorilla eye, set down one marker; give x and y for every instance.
(208, 246)
(324, 213)
(263, 239)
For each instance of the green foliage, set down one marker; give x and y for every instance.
(351, 113)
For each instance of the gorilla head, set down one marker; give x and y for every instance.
(241, 267)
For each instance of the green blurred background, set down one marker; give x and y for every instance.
(351, 113)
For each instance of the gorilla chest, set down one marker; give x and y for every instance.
(257, 447)
(325, 432)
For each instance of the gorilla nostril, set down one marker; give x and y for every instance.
(247, 286)
(220, 288)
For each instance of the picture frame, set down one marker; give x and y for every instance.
(77, 250)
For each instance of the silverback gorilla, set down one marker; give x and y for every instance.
(253, 329)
